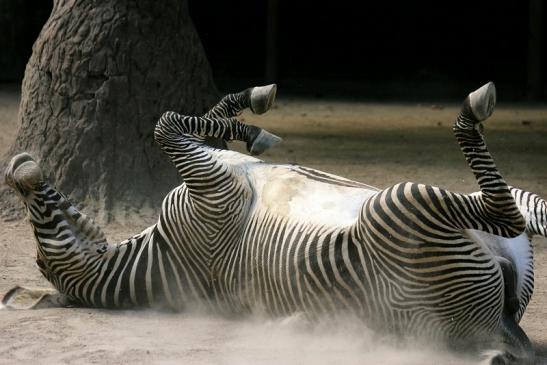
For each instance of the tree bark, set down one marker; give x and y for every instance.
(100, 75)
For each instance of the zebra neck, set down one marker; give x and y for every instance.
(59, 225)
(115, 278)
(69, 244)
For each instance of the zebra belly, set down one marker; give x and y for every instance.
(308, 195)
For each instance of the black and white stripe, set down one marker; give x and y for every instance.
(534, 209)
(231, 238)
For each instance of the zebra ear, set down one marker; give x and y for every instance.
(33, 298)
(483, 100)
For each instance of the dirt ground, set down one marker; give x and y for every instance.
(379, 144)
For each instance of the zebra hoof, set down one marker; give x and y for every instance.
(263, 141)
(23, 171)
(262, 98)
(482, 101)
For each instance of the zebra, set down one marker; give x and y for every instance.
(240, 235)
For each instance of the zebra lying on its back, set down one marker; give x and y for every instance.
(241, 234)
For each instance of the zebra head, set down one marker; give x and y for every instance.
(24, 175)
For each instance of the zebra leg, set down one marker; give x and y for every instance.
(511, 302)
(494, 209)
(498, 213)
(202, 167)
(418, 233)
(515, 345)
(259, 99)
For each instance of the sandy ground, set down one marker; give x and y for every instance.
(379, 144)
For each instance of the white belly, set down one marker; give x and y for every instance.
(308, 195)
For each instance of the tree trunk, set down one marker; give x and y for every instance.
(100, 75)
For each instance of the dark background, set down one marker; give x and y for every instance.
(349, 49)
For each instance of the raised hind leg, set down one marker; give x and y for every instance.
(415, 236)
(493, 210)
(496, 210)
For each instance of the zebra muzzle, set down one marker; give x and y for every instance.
(23, 171)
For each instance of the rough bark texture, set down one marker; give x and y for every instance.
(100, 75)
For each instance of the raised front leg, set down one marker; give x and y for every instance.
(203, 169)
(259, 99)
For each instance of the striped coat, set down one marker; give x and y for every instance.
(241, 235)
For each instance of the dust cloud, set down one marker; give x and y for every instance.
(292, 340)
